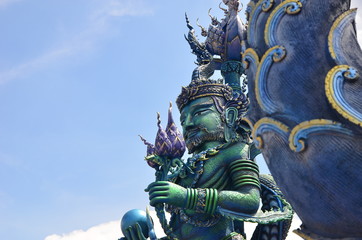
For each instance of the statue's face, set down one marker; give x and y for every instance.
(202, 125)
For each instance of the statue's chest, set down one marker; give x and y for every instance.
(206, 174)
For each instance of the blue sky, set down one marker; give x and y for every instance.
(79, 80)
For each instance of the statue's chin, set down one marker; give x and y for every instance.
(193, 144)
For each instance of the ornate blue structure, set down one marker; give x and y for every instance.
(306, 109)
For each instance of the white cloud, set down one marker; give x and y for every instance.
(85, 40)
(106, 231)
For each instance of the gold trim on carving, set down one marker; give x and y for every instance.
(333, 28)
(251, 17)
(270, 121)
(251, 52)
(251, 4)
(270, 7)
(303, 126)
(257, 76)
(330, 93)
(281, 5)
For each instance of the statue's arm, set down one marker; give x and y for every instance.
(246, 200)
(245, 194)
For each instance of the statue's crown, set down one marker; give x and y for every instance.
(203, 88)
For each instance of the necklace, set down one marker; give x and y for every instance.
(195, 164)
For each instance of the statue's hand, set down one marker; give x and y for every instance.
(166, 192)
(134, 233)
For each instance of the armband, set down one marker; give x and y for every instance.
(238, 170)
(202, 200)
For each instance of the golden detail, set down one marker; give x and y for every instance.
(274, 12)
(290, 12)
(257, 77)
(302, 235)
(260, 141)
(252, 53)
(268, 121)
(203, 158)
(276, 57)
(206, 95)
(252, 15)
(333, 28)
(330, 94)
(212, 152)
(303, 126)
(268, 8)
(248, 121)
(251, 4)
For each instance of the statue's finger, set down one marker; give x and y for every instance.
(139, 232)
(132, 233)
(127, 233)
(158, 183)
(158, 194)
(158, 188)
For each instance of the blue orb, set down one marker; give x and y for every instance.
(131, 218)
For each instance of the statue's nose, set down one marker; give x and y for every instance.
(188, 124)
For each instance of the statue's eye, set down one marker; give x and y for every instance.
(198, 113)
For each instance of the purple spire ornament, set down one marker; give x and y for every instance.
(150, 152)
(150, 146)
(162, 143)
(175, 137)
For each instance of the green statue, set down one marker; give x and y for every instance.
(218, 187)
(220, 173)
(210, 195)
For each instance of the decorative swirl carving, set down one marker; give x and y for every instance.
(294, 8)
(336, 34)
(267, 5)
(249, 8)
(265, 125)
(300, 133)
(250, 56)
(275, 54)
(290, 7)
(253, 19)
(334, 91)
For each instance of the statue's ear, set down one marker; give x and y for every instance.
(231, 114)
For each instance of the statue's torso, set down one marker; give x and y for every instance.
(215, 175)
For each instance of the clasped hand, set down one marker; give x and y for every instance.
(166, 192)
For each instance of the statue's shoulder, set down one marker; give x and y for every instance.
(233, 152)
